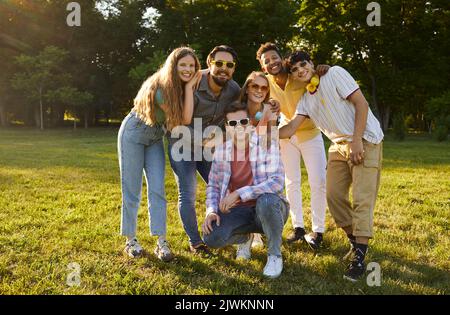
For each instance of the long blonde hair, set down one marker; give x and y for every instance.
(168, 81)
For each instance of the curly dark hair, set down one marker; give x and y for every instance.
(295, 57)
(265, 48)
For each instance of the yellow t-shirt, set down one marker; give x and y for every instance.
(289, 98)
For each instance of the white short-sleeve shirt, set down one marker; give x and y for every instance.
(332, 113)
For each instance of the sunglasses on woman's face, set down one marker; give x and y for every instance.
(240, 122)
(302, 65)
(220, 63)
(257, 87)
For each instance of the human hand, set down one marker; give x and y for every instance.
(228, 202)
(321, 70)
(357, 151)
(207, 225)
(194, 82)
(274, 106)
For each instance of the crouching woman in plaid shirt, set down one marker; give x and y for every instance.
(245, 191)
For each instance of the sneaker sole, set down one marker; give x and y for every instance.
(294, 241)
(350, 279)
(272, 276)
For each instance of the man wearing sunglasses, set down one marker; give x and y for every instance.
(306, 144)
(337, 106)
(216, 91)
(245, 192)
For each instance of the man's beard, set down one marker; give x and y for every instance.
(218, 81)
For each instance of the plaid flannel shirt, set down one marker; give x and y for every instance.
(267, 170)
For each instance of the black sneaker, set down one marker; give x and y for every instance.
(355, 271)
(298, 234)
(314, 242)
(200, 249)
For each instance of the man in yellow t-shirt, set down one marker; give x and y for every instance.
(307, 143)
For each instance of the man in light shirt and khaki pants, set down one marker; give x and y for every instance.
(339, 109)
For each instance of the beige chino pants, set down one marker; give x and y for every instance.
(364, 180)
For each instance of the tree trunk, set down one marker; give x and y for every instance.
(86, 118)
(3, 119)
(374, 96)
(386, 116)
(41, 108)
(29, 115)
(58, 115)
(36, 117)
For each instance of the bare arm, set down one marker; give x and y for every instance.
(288, 130)
(361, 112)
(188, 105)
(321, 70)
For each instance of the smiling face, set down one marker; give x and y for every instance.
(302, 71)
(221, 75)
(239, 133)
(186, 68)
(257, 90)
(271, 62)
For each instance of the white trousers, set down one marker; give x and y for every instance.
(313, 153)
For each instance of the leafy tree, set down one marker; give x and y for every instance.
(438, 112)
(77, 102)
(142, 71)
(243, 25)
(396, 62)
(40, 74)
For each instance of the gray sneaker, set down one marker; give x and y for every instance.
(244, 249)
(162, 251)
(133, 248)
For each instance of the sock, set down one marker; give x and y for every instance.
(302, 230)
(161, 239)
(352, 240)
(360, 252)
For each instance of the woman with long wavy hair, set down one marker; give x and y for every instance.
(165, 100)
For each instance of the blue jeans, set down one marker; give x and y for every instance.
(186, 177)
(268, 217)
(141, 149)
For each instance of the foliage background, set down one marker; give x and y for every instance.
(401, 65)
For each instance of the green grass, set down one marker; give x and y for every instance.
(60, 203)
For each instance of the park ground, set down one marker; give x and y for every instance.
(60, 204)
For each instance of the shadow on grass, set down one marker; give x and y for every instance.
(399, 276)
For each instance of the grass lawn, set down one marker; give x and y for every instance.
(60, 203)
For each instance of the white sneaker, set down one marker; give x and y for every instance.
(273, 267)
(257, 240)
(133, 248)
(162, 251)
(244, 250)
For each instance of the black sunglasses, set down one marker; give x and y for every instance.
(240, 122)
